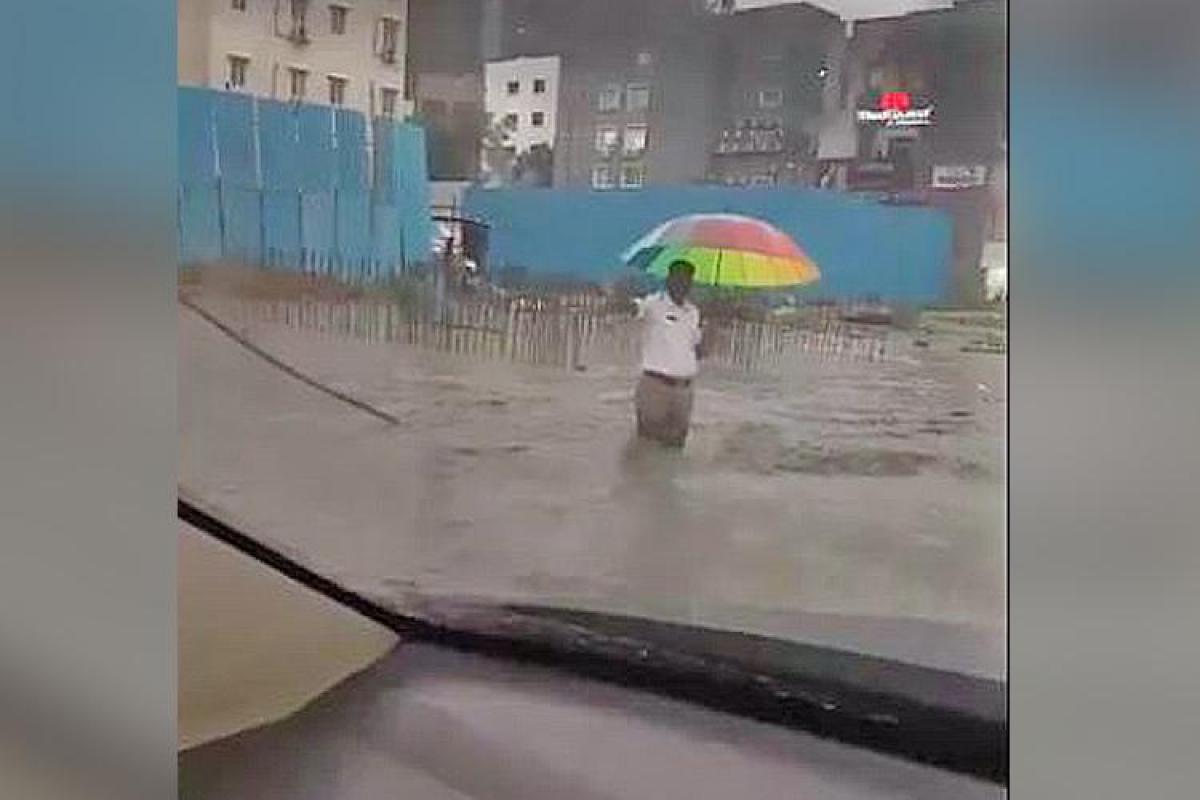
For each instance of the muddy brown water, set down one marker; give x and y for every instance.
(852, 502)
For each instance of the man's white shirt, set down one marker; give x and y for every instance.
(670, 335)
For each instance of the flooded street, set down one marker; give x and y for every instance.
(855, 503)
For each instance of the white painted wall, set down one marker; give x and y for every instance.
(192, 17)
(498, 102)
(259, 33)
(994, 265)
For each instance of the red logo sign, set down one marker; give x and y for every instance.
(895, 101)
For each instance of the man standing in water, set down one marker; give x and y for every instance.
(671, 349)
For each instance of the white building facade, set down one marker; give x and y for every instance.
(522, 95)
(348, 53)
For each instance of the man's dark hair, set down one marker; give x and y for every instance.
(682, 266)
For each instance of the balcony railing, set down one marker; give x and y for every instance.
(750, 147)
(750, 140)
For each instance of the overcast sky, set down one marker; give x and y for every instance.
(858, 9)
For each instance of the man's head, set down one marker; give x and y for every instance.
(679, 280)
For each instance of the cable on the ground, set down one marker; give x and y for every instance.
(283, 366)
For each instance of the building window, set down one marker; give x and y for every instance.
(633, 176)
(337, 19)
(299, 31)
(770, 98)
(606, 139)
(238, 5)
(511, 121)
(602, 177)
(635, 139)
(539, 85)
(637, 97)
(609, 99)
(388, 38)
(238, 66)
(537, 119)
(337, 90)
(513, 87)
(297, 83)
(387, 101)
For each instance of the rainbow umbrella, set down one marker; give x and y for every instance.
(727, 250)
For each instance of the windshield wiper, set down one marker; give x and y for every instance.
(945, 719)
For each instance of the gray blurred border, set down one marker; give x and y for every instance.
(87, 429)
(1104, 552)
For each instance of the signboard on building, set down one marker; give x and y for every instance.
(958, 176)
(914, 117)
(896, 110)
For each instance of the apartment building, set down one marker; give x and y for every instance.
(772, 68)
(450, 107)
(347, 53)
(521, 94)
(617, 112)
(635, 104)
(445, 71)
(192, 18)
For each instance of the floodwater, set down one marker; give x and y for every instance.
(854, 503)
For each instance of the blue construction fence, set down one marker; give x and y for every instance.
(300, 187)
(862, 246)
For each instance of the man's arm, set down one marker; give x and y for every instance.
(626, 302)
(643, 304)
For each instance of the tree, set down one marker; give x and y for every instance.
(535, 167)
(498, 155)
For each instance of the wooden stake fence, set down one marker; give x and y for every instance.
(567, 331)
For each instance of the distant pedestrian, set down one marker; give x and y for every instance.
(671, 350)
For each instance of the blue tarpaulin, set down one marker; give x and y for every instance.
(287, 186)
(862, 246)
